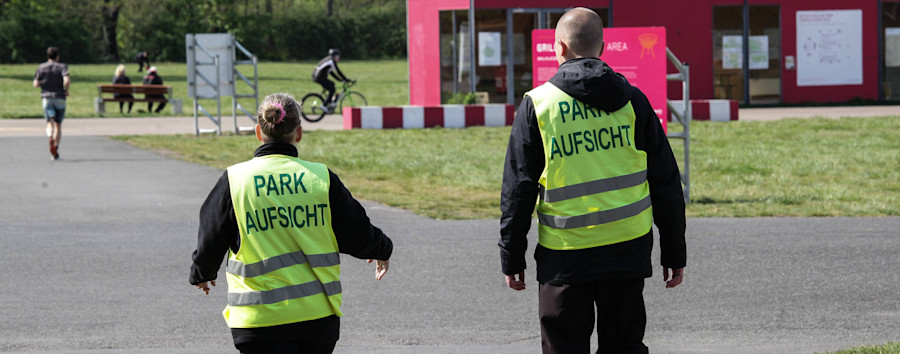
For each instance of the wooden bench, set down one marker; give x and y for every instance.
(123, 89)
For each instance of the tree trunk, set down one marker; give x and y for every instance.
(330, 5)
(110, 21)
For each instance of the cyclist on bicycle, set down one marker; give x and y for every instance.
(323, 68)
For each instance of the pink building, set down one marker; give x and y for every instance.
(795, 52)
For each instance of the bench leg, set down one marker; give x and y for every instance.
(176, 106)
(99, 105)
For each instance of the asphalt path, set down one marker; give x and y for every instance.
(97, 250)
(142, 125)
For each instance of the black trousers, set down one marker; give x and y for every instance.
(122, 105)
(567, 316)
(328, 85)
(286, 347)
(315, 336)
(158, 108)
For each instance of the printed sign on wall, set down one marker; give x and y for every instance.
(829, 48)
(638, 53)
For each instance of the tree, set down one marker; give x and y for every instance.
(110, 11)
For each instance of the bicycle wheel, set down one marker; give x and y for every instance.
(352, 99)
(312, 107)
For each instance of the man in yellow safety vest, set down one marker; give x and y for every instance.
(589, 148)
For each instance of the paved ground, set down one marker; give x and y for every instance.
(143, 125)
(97, 246)
(757, 114)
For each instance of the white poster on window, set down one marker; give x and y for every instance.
(892, 46)
(759, 52)
(489, 49)
(463, 56)
(732, 52)
(829, 48)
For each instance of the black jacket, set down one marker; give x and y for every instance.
(593, 82)
(218, 232)
(152, 78)
(122, 79)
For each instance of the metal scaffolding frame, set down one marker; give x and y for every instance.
(213, 89)
(193, 74)
(682, 117)
(235, 105)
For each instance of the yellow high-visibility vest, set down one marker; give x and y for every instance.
(287, 269)
(594, 189)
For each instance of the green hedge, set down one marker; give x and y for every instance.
(299, 32)
(28, 29)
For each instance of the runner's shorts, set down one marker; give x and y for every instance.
(54, 108)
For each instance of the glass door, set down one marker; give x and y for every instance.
(765, 54)
(762, 77)
(523, 24)
(727, 36)
(890, 20)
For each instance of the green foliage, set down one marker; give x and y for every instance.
(462, 98)
(27, 28)
(271, 29)
(368, 34)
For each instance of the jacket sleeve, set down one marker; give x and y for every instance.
(523, 167)
(354, 231)
(338, 75)
(218, 232)
(664, 178)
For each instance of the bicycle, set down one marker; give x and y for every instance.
(313, 107)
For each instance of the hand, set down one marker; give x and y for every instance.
(514, 284)
(204, 287)
(676, 278)
(381, 268)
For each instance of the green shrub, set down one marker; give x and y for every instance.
(28, 28)
(462, 98)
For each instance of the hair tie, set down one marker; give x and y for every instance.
(280, 112)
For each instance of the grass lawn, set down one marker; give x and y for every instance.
(793, 167)
(889, 348)
(383, 82)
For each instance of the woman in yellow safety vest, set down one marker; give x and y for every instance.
(282, 221)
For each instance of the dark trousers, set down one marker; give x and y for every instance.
(285, 347)
(315, 336)
(122, 105)
(158, 108)
(567, 316)
(328, 85)
(142, 63)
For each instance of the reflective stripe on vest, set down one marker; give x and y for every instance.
(286, 260)
(594, 189)
(287, 269)
(282, 294)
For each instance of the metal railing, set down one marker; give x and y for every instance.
(682, 117)
(254, 86)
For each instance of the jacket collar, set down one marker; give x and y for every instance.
(276, 148)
